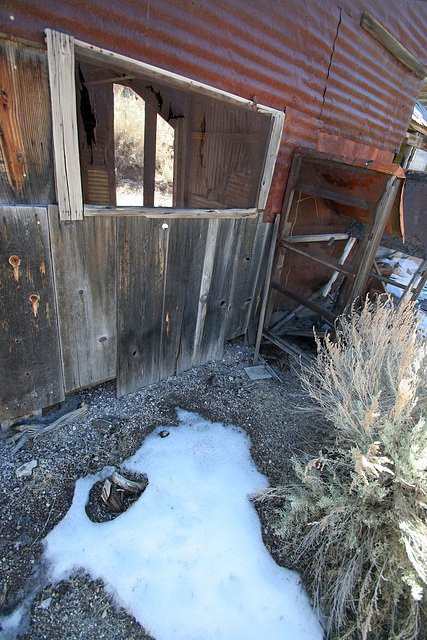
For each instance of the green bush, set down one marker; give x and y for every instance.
(355, 517)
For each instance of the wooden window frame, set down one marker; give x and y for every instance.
(62, 50)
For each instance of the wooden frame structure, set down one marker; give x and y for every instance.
(62, 51)
(360, 248)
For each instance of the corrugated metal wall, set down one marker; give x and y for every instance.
(312, 56)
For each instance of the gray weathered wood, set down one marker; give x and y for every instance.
(382, 212)
(218, 294)
(329, 262)
(60, 52)
(392, 45)
(30, 363)
(84, 260)
(318, 237)
(139, 69)
(170, 212)
(183, 275)
(142, 246)
(248, 256)
(150, 134)
(266, 288)
(278, 120)
(313, 306)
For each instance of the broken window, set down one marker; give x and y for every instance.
(199, 148)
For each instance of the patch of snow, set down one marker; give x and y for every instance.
(187, 559)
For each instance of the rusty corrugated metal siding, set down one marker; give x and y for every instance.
(369, 93)
(312, 56)
(278, 52)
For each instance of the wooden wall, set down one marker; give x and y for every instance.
(125, 297)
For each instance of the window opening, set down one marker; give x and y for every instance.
(218, 150)
(129, 145)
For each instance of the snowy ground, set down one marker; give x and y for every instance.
(192, 558)
(404, 268)
(187, 559)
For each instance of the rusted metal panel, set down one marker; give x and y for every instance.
(296, 54)
(414, 217)
(26, 168)
(278, 52)
(369, 94)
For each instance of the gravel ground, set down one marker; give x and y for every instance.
(270, 411)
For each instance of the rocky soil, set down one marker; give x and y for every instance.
(276, 414)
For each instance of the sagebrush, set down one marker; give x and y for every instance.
(355, 518)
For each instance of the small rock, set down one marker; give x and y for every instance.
(44, 604)
(26, 470)
(164, 433)
(102, 424)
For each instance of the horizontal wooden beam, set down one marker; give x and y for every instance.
(129, 66)
(318, 237)
(392, 45)
(381, 278)
(168, 212)
(328, 262)
(313, 306)
(287, 347)
(334, 196)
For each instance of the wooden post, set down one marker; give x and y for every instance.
(60, 55)
(149, 152)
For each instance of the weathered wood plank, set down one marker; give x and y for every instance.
(150, 134)
(60, 53)
(142, 252)
(84, 260)
(278, 121)
(392, 45)
(170, 212)
(183, 275)
(26, 165)
(123, 64)
(249, 247)
(30, 363)
(217, 296)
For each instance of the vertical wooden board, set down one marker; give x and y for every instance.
(187, 241)
(262, 249)
(60, 54)
(218, 296)
(30, 363)
(84, 260)
(26, 158)
(244, 276)
(142, 247)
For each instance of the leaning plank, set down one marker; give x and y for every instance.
(382, 212)
(60, 53)
(392, 45)
(278, 120)
(30, 363)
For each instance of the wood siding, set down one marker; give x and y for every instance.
(30, 364)
(26, 153)
(181, 293)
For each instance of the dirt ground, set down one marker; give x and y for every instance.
(277, 415)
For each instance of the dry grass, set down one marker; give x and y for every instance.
(357, 514)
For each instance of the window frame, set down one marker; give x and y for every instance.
(62, 50)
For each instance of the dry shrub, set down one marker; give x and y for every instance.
(357, 515)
